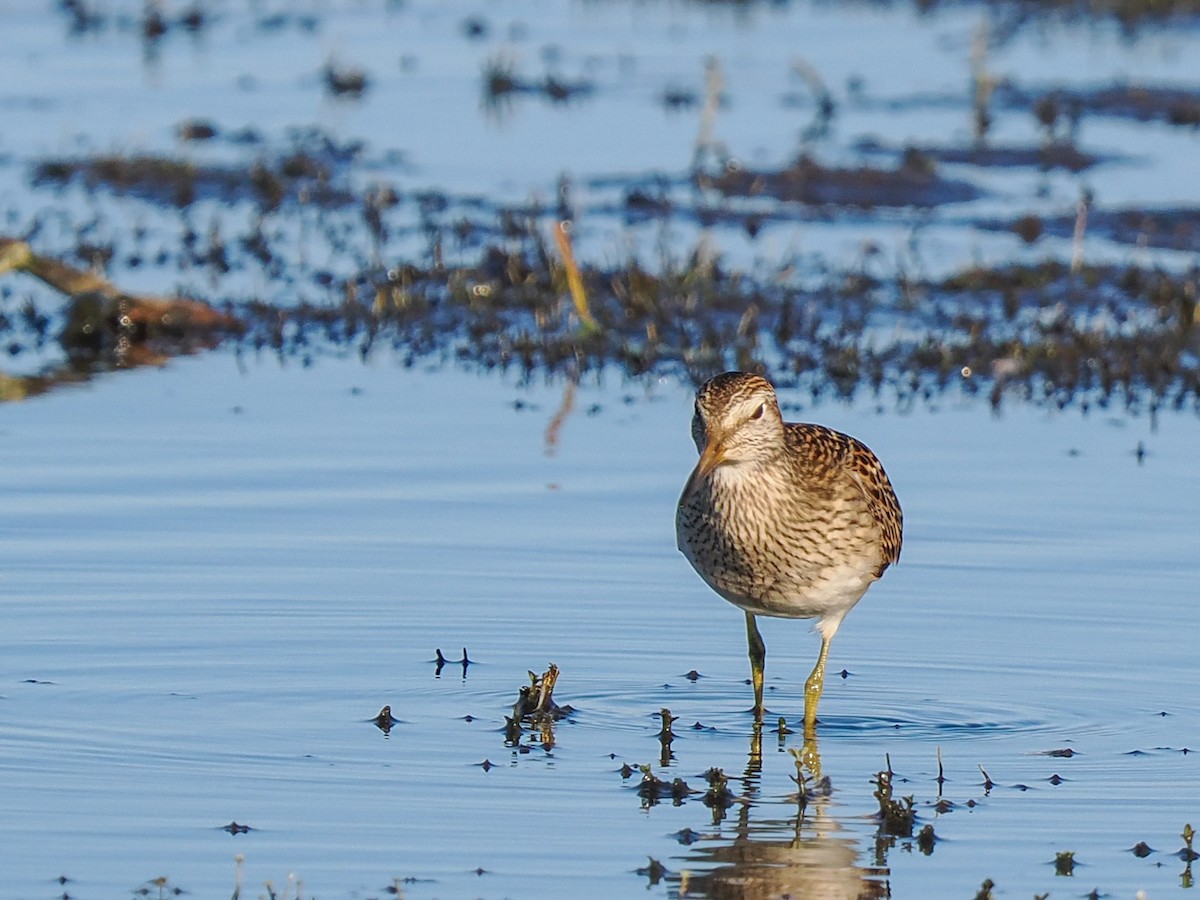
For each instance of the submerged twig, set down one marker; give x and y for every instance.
(535, 703)
(896, 817)
(105, 326)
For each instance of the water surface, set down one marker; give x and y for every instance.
(214, 576)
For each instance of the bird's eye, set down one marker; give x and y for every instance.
(758, 413)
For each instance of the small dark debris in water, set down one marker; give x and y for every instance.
(652, 788)
(440, 662)
(344, 81)
(926, 839)
(693, 675)
(236, 828)
(1020, 787)
(158, 887)
(1187, 854)
(807, 788)
(1056, 779)
(154, 25)
(475, 27)
(718, 796)
(665, 734)
(468, 718)
(822, 787)
(666, 755)
(512, 730)
(35, 681)
(1141, 849)
(1064, 862)
(985, 890)
(972, 803)
(626, 770)
(678, 98)
(1064, 753)
(654, 870)
(193, 19)
(896, 817)
(480, 870)
(844, 674)
(500, 81)
(687, 836)
(410, 879)
(1140, 453)
(700, 726)
(196, 130)
(535, 702)
(988, 784)
(487, 765)
(384, 721)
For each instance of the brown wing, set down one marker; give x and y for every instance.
(826, 450)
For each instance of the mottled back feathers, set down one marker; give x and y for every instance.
(816, 450)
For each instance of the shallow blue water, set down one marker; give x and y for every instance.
(213, 578)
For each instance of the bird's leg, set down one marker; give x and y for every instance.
(813, 688)
(758, 660)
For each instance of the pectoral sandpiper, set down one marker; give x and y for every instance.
(783, 519)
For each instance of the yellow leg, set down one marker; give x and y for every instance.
(758, 661)
(812, 690)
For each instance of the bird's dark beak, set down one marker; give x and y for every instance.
(711, 457)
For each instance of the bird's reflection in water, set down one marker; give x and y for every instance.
(806, 854)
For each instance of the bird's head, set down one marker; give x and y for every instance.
(736, 421)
